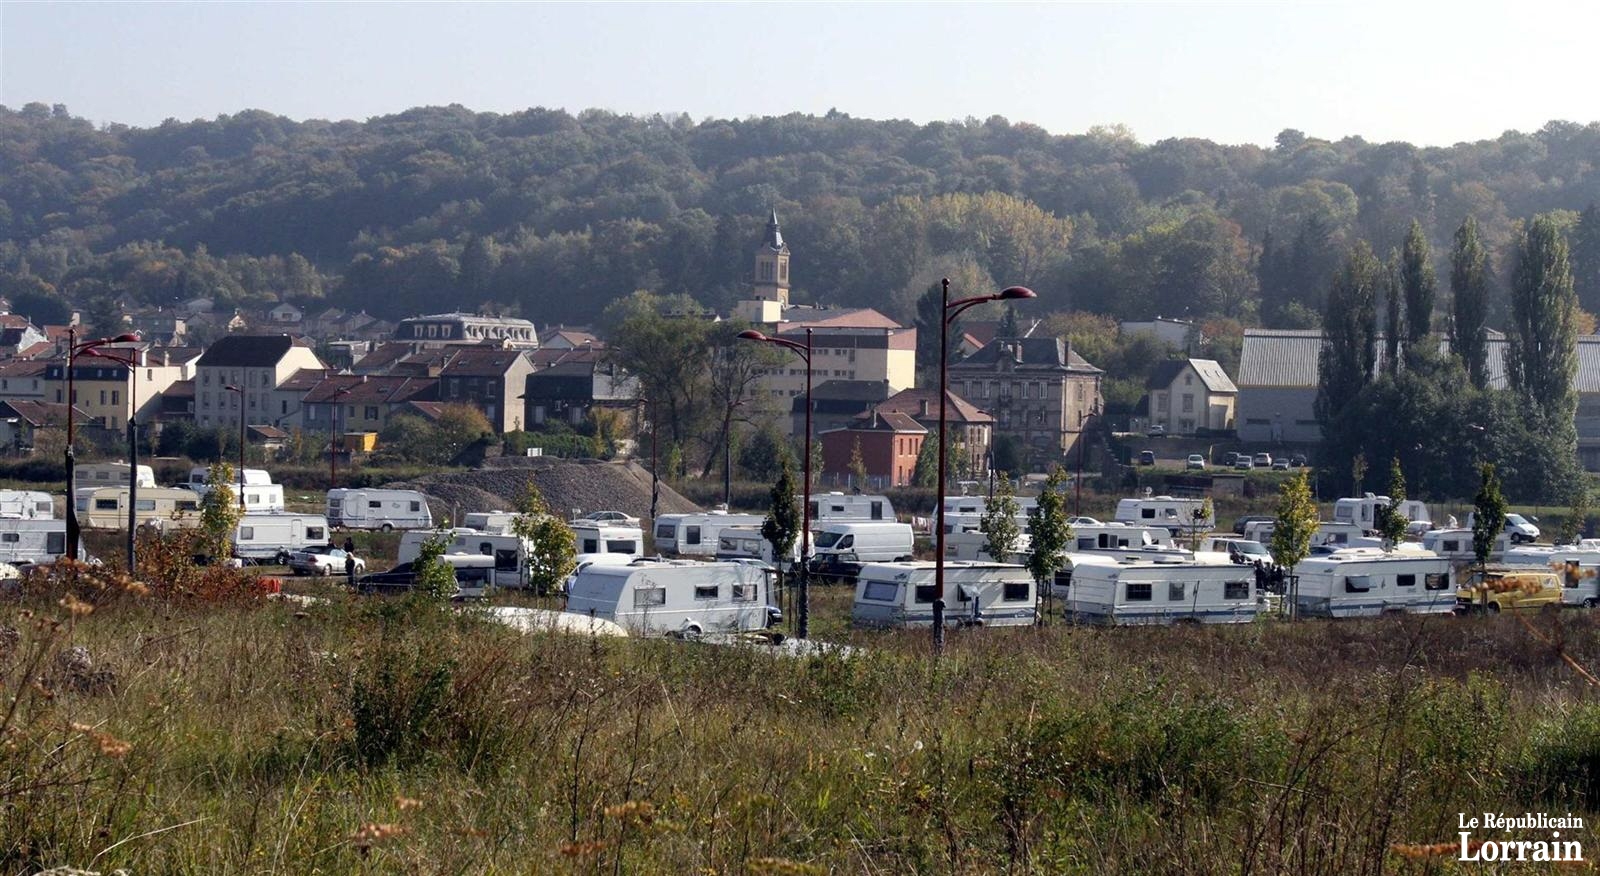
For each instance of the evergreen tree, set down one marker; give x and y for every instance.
(1390, 522)
(1009, 327)
(1577, 519)
(782, 525)
(1541, 345)
(999, 522)
(1488, 515)
(1419, 285)
(926, 473)
(1393, 328)
(1469, 311)
(1347, 359)
(1586, 259)
(1292, 529)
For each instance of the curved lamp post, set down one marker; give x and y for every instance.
(953, 309)
(240, 390)
(74, 350)
(803, 614)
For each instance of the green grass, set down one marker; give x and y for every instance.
(276, 737)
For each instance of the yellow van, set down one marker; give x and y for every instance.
(1497, 590)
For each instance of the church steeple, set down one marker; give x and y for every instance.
(772, 265)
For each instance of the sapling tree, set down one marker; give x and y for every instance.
(435, 581)
(1388, 518)
(219, 512)
(552, 547)
(1292, 530)
(1051, 532)
(782, 525)
(999, 522)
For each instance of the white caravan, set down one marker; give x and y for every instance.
(262, 537)
(258, 498)
(1456, 545)
(974, 547)
(509, 552)
(109, 474)
(32, 541)
(986, 594)
(1365, 582)
(27, 504)
(840, 548)
(200, 475)
(1578, 565)
(605, 538)
(954, 505)
(1328, 533)
(1200, 588)
(747, 543)
(489, 521)
(378, 509)
(1363, 511)
(1175, 514)
(1119, 536)
(675, 599)
(162, 507)
(850, 506)
(695, 535)
(972, 522)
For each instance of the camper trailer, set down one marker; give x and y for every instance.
(695, 535)
(1201, 588)
(675, 599)
(489, 521)
(258, 498)
(200, 476)
(1456, 545)
(964, 522)
(1364, 582)
(983, 594)
(27, 505)
(1578, 565)
(1329, 533)
(109, 474)
(841, 548)
(263, 537)
(378, 509)
(1177, 515)
(37, 540)
(605, 538)
(1119, 536)
(509, 551)
(162, 507)
(747, 543)
(1363, 511)
(954, 505)
(973, 546)
(846, 506)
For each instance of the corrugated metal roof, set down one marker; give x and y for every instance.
(1279, 357)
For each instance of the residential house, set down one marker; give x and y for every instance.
(326, 323)
(394, 357)
(268, 438)
(23, 379)
(570, 382)
(491, 380)
(889, 444)
(1189, 396)
(177, 403)
(285, 406)
(344, 354)
(165, 328)
(1278, 386)
(1176, 333)
(286, 314)
(343, 403)
(560, 338)
(22, 419)
(1040, 392)
(109, 391)
(256, 365)
(964, 422)
(849, 344)
(835, 403)
(18, 335)
(441, 329)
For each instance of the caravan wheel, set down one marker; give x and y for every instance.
(387, 527)
(282, 558)
(691, 631)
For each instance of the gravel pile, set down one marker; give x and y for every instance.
(569, 486)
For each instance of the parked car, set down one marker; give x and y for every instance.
(1280, 464)
(1510, 590)
(1240, 523)
(613, 517)
(1082, 521)
(1242, 462)
(1147, 457)
(322, 560)
(1263, 460)
(1298, 460)
(1157, 431)
(1195, 462)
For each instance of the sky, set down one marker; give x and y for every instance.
(1234, 73)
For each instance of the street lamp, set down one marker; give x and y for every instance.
(132, 364)
(74, 349)
(803, 621)
(655, 480)
(953, 309)
(240, 390)
(333, 441)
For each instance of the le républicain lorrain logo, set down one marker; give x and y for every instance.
(1554, 847)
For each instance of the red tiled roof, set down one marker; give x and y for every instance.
(428, 410)
(957, 409)
(24, 368)
(370, 389)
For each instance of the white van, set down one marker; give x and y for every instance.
(1201, 588)
(1363, 511)
(695, 535)
(848, 506)
(675, 599)
(109, 474)
(1365, 582)
(1456, 545)
(605, 538)
(258, 498)
(37, 540)
(841, 548)
(27, 504)
(378, 509)
(162, 507)
(986, 594)
(1177, 515)
(1520, 529)
(263, 537)
(1578, 565)
(200, 475)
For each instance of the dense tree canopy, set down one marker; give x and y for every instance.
(555, 216)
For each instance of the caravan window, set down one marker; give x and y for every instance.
(55, 542)
(1138, 592)
(1236, 590)
(247, 533)
(663, 530)
(486, 548)
(1357, 584)
(744, 593)
(146, 504)
(1450, 547)
(1085, 542)
(591, 546)
(188, 505)
(1147, 513)
(1175, 591)
(10, 537)
(877, 510)
(105, 504)
(621, 547)
(925, 594)
(416, 506)
(314, 533)
(707, 591)
(692, 535)
(505, 560)
(1015, 591)
(1436, 581)
(45, 507)
(373, 503)
(1405, 580)
(645, 597)
(881, 591)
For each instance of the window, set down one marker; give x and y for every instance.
(847, 542)
(372, 412)
(373, 503)
(1188, 404)
(665, 531)
(1450, 547)
(880, 591)
(102, 396)
(116, 396)
(316, 533)
(1147, 513)
(55, 543)
(1086, 542)
(1405, 580)
(505, 560)
(247, 533)
(704, 592)
(645, 597)
(11, 537)
(1161, 402)
(1138, 592)
(744, 592)
(692, 535)
(416, 506)
(591, 546)
(1436, 581)
(1014, 591)
(105, 504)
(1236, 590)
(626, 546)
(925, 594)
(146, 505)
(1175, 591)
(188, 505)
(1357, 584)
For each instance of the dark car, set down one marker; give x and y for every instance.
(1240, 523)
(1147, 457)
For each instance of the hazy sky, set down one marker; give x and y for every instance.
(1233, 73)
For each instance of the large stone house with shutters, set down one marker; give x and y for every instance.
(1040, 393)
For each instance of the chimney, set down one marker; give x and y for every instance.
(924, 408)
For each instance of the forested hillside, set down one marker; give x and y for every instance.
(553, 216)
